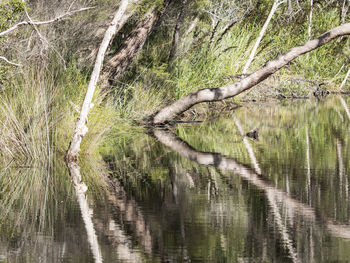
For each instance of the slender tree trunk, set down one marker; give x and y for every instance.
(310, 19)
(205, 95)
(344, 11)
(129, 13)
(290, 7)
(185, 45)
(80, 126)
(261, 34)
(132, 45)
(176, 36)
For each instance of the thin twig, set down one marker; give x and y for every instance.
(46, 44)
(42, 38)
(9, 62)
(22, 23)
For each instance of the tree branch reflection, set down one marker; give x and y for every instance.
(170, 140)
(86, 211)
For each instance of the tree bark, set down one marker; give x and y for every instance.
(176, 35)
(132, 45)
(344, 11)
(310, 19)
(215, 94)
(80, 127)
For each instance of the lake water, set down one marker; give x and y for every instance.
(196, 192)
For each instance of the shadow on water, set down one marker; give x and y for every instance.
(199, 193)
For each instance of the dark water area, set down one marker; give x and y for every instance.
(198, 192)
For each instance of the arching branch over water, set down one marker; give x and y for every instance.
(215, 94)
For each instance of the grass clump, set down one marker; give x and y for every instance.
(38, 111)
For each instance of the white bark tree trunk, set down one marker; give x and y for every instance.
(310, 19)
(230, 90)
(344, 11)
(80, 126)
(261, 35)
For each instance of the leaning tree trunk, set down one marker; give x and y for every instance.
(215, 94)
(80, 127)
(117, 65)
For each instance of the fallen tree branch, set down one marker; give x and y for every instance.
(10, 62)
(215, 94)
(31, 22)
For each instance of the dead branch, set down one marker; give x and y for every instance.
(31, 22)
(10, 62)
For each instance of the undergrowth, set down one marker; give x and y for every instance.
(39, 105)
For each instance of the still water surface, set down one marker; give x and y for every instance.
(197, 192)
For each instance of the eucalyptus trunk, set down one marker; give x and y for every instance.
(128, 51)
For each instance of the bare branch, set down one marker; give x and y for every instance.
(9, 62)
(58, 18)
(43, 40)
